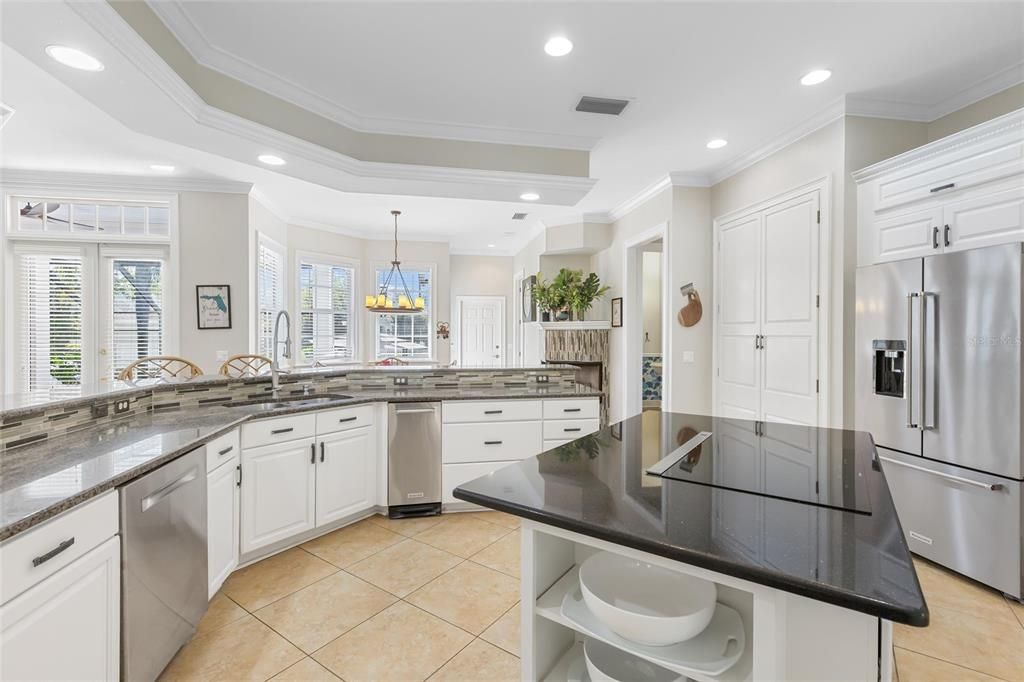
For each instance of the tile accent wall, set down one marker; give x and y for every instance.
(652, 376)
(25, 426)
(581, 345)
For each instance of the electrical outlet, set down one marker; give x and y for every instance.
(401, 381)
(121, 406)
(542, 378)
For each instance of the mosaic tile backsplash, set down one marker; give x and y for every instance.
(652, 376)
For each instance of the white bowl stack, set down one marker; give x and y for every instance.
(642, 603)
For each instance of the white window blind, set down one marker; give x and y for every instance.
(269, 293)
(404, 335)
(51, 315)
(326, 304)
(136, 327)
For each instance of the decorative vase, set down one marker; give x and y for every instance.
(562, 315)
(545, 316)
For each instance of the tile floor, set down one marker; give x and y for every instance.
(438, 599)
(415, 599)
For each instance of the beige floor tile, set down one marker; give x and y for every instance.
(462, 535)
(502, 556)
(403, 568)
(244, 650)
(399, 643)
(255, 586)
(500, 518)
(406, 527)
(220, 612)
(315, 615)
(504, 632)
(914, 667)
(977, 642)
(470, 596)
(480, 661)
(350, 544)
(306, 670)
(949, 590)
(1018, 610)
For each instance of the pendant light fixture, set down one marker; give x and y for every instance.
(405, 303)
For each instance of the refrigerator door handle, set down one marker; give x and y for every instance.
(923, 402)
(909, 384)
(948, 477)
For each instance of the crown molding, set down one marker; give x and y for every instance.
(272, 207)
(603, 217)
(996, 83)
(89, 182)
(689, 179)
(191, 37)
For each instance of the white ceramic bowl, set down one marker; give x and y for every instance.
(644, 603)
(606, 663)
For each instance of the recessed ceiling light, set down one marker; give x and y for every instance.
(717, 143)
(271, 160)
(559, 46)
(529, 196)
(163, 168)
(816, 76)
(76, 59)
(490, 246)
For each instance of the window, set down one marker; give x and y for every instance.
(92, 218)
(136, 324)
(51, 311)
(270, 280)
(403, 335)
(326, 305)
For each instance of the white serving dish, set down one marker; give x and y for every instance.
(605, 663)
(644, 603)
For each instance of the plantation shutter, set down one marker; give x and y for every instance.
(326, 300)
(51, 319)
(270, 294)
(136, 327)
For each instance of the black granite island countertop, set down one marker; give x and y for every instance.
(803, 510)
(40, 480)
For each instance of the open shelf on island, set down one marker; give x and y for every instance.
(720, 652)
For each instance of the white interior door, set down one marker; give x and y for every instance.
(789, 313)
(738, 380)
(481, 331)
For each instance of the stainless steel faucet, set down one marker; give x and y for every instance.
(275, 366)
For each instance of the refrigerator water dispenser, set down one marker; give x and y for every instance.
(889, 356)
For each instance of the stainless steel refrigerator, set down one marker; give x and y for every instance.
(939, 382)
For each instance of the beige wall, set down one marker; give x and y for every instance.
(998, 104)
(652, 301)
(550, 265)
(484, 276)
(214, 234)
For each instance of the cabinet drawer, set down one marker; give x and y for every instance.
(267, 431)
(454, 475)
(572, 408)
(571, 429)
(490, 411)
(331, 421)
(951, 516)
(42, 551)
(490, 442)
(221, 449)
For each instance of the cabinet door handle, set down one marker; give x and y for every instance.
(492, 442)
(225, 451)
(573, 409)
(239, 469)
(43, 558)
(572, 430)
(942, 187)
(347, 419)
(493, 411)
(945, 236)
(935, 237)
(275, 432)
(321, 451)
(312, 453)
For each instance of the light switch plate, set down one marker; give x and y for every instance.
(687, 356)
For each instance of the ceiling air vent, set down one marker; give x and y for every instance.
(518, 216)
(601, 105)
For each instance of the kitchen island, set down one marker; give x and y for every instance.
(793, 525)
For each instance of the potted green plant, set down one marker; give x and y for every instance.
(543, 296)
(564, 287)
(587, 291)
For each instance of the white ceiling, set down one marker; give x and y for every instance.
(694, 70)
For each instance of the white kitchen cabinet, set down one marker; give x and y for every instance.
(961, 192)
(278, 492)
(346, 474)
(66, 627)
(222, 522)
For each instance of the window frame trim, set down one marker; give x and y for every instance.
(262, 239)
(412, 265)
(355, 321)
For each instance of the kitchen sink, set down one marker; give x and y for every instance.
(272, 403)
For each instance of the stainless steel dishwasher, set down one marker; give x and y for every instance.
(163, 564)
(414, 459)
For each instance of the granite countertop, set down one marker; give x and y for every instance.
(799, 509)
(41, 480)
